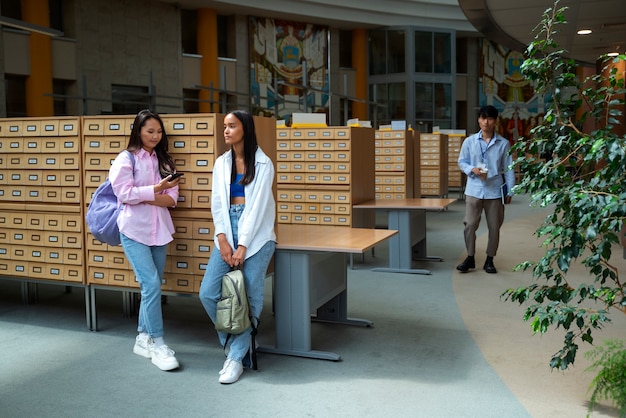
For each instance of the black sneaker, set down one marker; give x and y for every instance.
(467, 264)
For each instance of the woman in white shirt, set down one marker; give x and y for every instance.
(244, 211)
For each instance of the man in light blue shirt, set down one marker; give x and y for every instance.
(486, 161)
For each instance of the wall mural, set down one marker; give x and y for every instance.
(503, 86)
(289, 67)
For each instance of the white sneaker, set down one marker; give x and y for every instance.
(142, 345)
(224, 366)
(163, 357)
(231, 372)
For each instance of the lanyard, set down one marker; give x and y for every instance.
(480, 144)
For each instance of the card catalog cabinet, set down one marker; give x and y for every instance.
(192, 144)
(322, 172)
(454, 149)
(433, 157)
(41, 222)
(393, 162)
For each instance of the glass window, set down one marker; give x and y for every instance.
(397, 102)
(443, 53)
(60, 89)
(56, 14)
(423, 100)
(223, 43)
(423, 52)
(396, 57)
(443, 101)
(377, 52)
(15, 87)
(378, 107)
(345, 49)
(429, 79)
(11, 8)
(461, 55)
(189, 31)
(389, 103)
(129, 100)
(433, 105)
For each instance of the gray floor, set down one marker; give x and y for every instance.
(418, 360)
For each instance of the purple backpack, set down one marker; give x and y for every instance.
(103, 211)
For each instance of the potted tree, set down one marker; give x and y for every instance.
(580, 174)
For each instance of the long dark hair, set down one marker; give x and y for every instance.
(166, 163)
(249, 147)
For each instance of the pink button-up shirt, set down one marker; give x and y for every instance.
(141, 222)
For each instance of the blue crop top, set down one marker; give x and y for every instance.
(236, 189)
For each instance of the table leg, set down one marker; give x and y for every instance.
(420, 252)
(336, 311)
(88, 307)
(94, 310)
(411, 227)
(302, 282)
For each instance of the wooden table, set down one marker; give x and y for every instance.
(310, 274)
(408, 217)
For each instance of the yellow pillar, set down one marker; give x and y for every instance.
(39, 83)
(359, 63)
(207, 48)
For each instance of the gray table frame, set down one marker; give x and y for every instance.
(410, 242)
(305, 281)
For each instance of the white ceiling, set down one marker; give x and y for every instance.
(511, 23)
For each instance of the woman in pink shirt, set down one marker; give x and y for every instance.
(146, 226)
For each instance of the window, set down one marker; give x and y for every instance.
(11, 8)
(423, 52)
(386, 52)
(423, 101)
(129, 100)
(396, 56)
(422, 96)
(15, 87)
(433, 52)
(377, 52)
(433, 105)
(443, 101)
(60, 89)
(443, 53)
(56, 14)
(223, 44)
(389, 103)
(345, 49)
(189, 29)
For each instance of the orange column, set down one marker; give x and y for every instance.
(207, 48)
(39, 83)
(359, 63)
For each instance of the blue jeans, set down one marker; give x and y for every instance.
(148, 263)
(254, 272)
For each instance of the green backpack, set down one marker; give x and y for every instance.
(233, 312)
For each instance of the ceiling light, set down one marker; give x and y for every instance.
(612, 54)
(584, 32)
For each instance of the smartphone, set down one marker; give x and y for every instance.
(175, 176)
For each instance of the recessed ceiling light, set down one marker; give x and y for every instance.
(584, 32)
